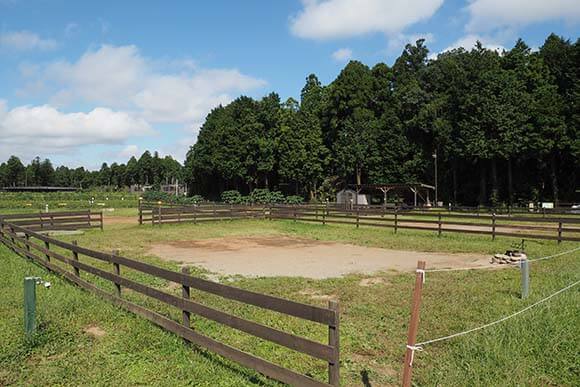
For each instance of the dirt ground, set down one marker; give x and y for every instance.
(272, 256)
(120, 220)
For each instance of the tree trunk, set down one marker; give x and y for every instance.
(510, 182)
(482, 183)
(554, 176)
(454, 174)
(494, 185)
(358, 175)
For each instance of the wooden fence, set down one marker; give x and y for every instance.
(48, 221)
(553, 227)
(157, 214)
(533, 227)
(37, 247)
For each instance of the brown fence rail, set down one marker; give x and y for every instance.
(37, 247)
(51, 221)
(533, 226)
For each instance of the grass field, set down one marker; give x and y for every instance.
(540, 347)
(37, 201)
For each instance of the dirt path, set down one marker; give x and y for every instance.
(273, 256)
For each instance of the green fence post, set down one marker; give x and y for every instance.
(29, 305)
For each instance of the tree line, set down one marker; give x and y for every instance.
(151, 170)
(503, 126)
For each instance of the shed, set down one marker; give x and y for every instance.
(349, 196)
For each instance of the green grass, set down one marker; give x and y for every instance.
(541, 347)
(35, 201)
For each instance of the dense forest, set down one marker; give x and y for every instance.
(147, 170)
(504, 127)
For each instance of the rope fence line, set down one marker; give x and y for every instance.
(419, 346)
(508, 265)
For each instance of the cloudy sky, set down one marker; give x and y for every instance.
(87, 82)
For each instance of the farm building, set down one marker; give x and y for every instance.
(413, 194)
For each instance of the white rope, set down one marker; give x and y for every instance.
(422, 272)
(508, 265)
(497, 321)
(554, 255)
(413, 348)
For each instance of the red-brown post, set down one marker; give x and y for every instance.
(334, 342)
(101, 219)
(414, 324)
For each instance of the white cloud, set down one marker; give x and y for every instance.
(120, 77)
(26, 41)
(128, 152)
(398, 41)
(342, 54)
(490, 14)
(469, 41)
(43, 129)
(330, 19)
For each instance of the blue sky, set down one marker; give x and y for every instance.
(86, 82)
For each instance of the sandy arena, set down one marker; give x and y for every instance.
(273, 256)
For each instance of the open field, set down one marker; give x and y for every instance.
(86, 341)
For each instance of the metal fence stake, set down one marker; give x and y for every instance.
(525, 271)
(29, 305)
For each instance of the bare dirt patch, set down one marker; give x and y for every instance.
(274, 256)
(372, 281)
(95, 331)
(120, 220)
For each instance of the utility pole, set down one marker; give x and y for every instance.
(436, 196)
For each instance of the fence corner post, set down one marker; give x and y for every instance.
(413, 324)
(334, 342)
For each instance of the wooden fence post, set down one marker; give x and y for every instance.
(101, 219)
(559, 232)
(117, 272)
(76, 258)
(323, 217)
(414, 324)
(185, 293)
(140, 212)
(493, 226)
(159, 215)
(439, 225)
(334, 342)
(357, 217)
(47, 247)
(294, 212)
(27, 237)
(396, 220)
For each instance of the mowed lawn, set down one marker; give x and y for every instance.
(83, 340)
